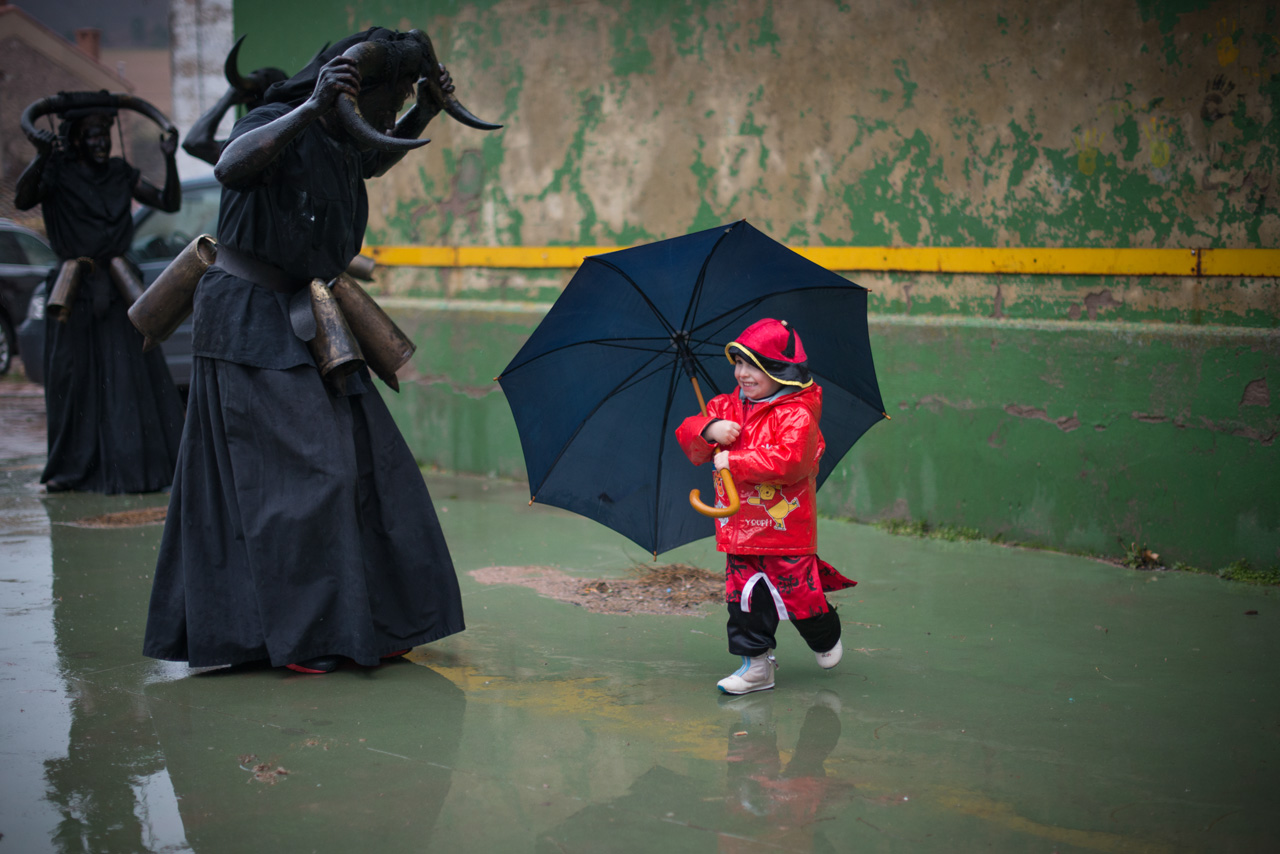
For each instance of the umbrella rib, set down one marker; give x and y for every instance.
(662, 447)
(695, 299)
(622, 386)
(666, 324)
(725, 317)
(706, 375)
(663, 344)
(659, 345)
(639, 290)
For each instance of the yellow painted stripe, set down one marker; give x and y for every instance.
(967, 259)
(529, 257)
(1264, 263)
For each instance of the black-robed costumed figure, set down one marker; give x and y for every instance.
(114, 413)
(300, 530)
(246, 90)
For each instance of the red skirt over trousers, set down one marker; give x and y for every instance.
(798, 583)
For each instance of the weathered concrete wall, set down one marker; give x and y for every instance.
(988, 123)
(199, 38)
(992, 123)
(1086, 436)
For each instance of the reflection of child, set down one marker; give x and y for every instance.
(774, 804)
(770, 428)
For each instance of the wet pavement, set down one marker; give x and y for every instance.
(990, 698)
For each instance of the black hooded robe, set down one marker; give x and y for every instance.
(114, 413)
(299, 523)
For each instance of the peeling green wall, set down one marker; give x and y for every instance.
(1086, 436)
(1078, 435)
(991, 123)
(1099, 124)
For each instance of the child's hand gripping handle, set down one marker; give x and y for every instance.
(723, 476)
(731, 495)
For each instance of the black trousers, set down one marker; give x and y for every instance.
(753, 632)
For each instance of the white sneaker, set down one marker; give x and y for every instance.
(755, 674)
(830, 658)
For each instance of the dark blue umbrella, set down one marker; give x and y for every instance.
(600, 386)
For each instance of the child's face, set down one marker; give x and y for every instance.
(755, 383)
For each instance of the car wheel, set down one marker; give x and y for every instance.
(7, 344)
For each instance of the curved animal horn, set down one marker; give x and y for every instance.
(132, 102)
(431, 67)
(232, 67)
(64, 101)
(369, 56)
(35, 110)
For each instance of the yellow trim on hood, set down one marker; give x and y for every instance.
(752, 357)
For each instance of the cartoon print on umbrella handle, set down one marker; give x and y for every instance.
(726, 479)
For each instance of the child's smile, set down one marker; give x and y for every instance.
(755, 383)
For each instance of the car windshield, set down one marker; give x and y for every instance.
(38, 254)
(19, 248)
(163, 235)
(10, 252)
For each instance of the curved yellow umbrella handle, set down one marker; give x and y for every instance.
(730, 491)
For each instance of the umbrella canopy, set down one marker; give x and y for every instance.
(600, 386)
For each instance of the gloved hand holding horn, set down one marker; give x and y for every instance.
(378, 59)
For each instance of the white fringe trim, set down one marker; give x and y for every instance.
(777, 597)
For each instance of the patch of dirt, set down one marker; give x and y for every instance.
(124, 518)
(262, 771)
(674, 588)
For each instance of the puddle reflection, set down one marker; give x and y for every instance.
(765, 798)
(772, 801)
(108, 751)
(34, 705)
(353, 761)
(109, 786)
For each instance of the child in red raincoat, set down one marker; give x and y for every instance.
(768, 430)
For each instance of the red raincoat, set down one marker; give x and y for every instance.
(774, 464)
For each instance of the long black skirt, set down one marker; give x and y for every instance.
(299, 525)
(114, 414)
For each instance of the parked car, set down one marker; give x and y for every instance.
(158, 237)
(25, 262)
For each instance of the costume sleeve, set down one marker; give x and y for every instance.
(49, 177)
(131, 173)
(689, 433)
(253, 120)
(792, 455)
(256, 118)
